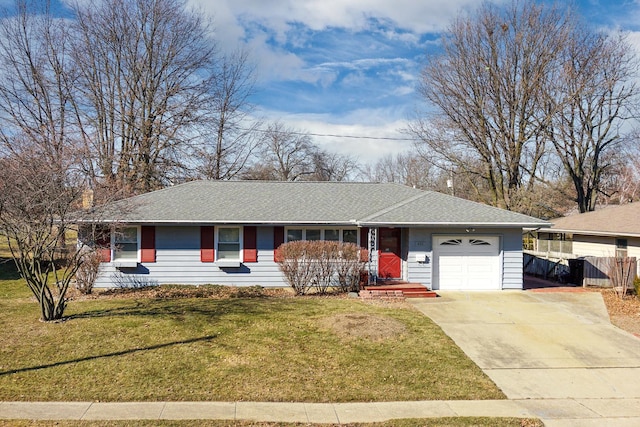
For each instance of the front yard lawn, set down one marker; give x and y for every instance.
(304, 349)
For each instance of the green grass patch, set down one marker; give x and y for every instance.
(230, 349)
(431, 422)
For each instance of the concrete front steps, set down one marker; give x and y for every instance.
(396, 289)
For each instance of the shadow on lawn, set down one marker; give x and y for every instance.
(8, 269)
(106, 355)
(179, 309)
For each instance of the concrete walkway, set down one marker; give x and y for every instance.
(555, 355)
(554, 412)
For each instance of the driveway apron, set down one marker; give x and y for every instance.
(541, 345)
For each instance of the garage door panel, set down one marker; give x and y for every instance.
(465, 262)
(480, 264)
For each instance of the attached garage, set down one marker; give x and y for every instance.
(467, 262)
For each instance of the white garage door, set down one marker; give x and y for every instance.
(467, 262)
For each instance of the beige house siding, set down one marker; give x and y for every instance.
(633, 247)
(600, 246)
(604, 246)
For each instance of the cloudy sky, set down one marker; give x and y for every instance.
(349, 67)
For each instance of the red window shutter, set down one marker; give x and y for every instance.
(207, 244)
(364, 244)
(249, 244)
(103, 243)
(278, 239)
(148, 244)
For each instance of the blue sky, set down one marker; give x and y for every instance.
(350, 67)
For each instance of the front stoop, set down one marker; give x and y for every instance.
(395, 290)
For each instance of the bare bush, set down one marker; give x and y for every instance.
(621, 274)
(296, 266)
(349, 268)
(88, 270)
(321, 265)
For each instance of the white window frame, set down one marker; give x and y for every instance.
(322, 230)
(125, 262)
(622, 251)
(229, 262)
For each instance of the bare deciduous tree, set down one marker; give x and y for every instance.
(513, 81)
(36, 199)
(38, 151)
(487, 86)
(229, 136)
(36, 82)
(622, 183)
(405, 168)
(595, 96)
(287, 155)
(329, 166)
(145, 67)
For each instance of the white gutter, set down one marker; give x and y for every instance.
(355, 223)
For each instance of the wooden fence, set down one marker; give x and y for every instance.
(599, 271)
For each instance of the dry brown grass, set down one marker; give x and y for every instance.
(364, 326)
(623, 312)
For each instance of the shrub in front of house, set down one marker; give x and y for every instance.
(88, 270)
(321, 266)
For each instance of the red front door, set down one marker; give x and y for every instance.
(389, 247)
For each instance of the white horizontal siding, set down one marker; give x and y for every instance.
(512, 265)
(419, 243)
(178, 262)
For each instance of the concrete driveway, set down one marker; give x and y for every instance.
(541, 345)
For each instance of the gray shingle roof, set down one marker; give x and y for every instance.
(623, 220)
(272, 202)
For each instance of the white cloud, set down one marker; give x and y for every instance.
(358, 36)
(633, 37)
(279, 16)
(370, 126)
(418, 16)
(367, 63)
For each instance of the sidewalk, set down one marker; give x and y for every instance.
(553, 412)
